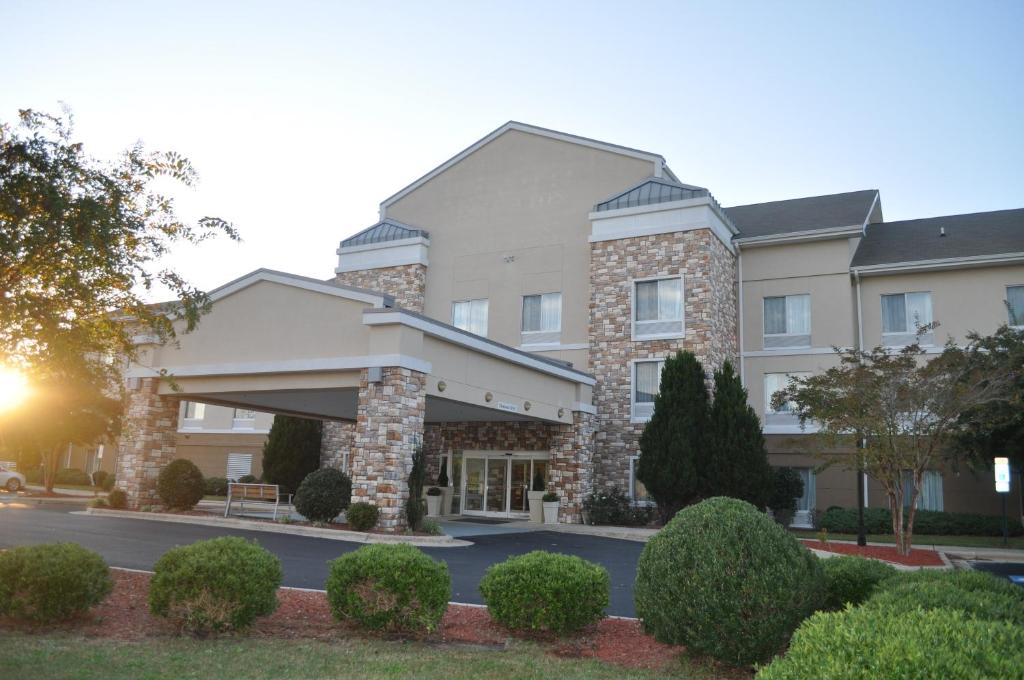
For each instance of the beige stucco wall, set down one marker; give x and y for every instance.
(210, 451)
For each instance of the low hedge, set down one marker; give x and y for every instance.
(215, 486)
(72, 476)
(852, 580)
(216, 585)
(926, 523)
(362, 516)
(52, 582)
(546, 591)
(974, 593)
(865, 644)
(180, 484)
(389, 587)
(613, 507)
(323, 494)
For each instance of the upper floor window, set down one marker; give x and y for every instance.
(902, 315)
(194, 414)
(658, 308)
(542, 318)
(787, 321)
(646, 382)
(243, 419)
(470, 315)
(1015, 305)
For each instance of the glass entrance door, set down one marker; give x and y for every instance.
(519, 486)
(497, 484)
(475, 484)
(497, 480)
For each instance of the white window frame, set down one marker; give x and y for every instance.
(782, 337)
(768, 410)
(636, 335)
(640, 415)
(1009, 319)
(238, 456)
(470, 301)
(243, 423)
(910, 335)
(540, 337)
(632, 484)
(194, 421)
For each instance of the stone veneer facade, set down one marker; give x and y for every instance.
(336, 444)
(407, 283)
(710, 312)
(572, 465)
(147, 440)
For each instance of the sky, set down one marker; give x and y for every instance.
(302, 116)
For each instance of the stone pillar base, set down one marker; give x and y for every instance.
(571, 474)
(147, 440)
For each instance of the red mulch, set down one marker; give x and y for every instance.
(305, 615)
(918, 557)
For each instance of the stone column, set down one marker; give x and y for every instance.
(389, 425)
(336, 443)
(147, 440)
(572, 450)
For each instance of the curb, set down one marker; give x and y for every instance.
(291, 529)
(42, 501)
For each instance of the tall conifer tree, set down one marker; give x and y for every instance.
(292, 451)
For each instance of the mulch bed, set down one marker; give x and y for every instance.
(918, 557)
(305, 615)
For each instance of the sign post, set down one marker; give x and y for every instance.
(1002, 469)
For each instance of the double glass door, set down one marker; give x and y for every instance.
(498, 485)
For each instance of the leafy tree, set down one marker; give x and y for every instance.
(737, 461)
(672, 453)
(292, 451)
(905, 409)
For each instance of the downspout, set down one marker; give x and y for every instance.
(863, 481)
(739, 312)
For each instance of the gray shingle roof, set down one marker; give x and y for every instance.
(802, 214)
(971, 235)
(650, 191)
(385, 230)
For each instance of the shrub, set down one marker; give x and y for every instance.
(292, 451)
(434, 491)
(53, 582)
(216, 585)
(415, 506)
(844, 520)
(362, 516)
(851, 579)
(926, 523)
(787, 487)
(863, 644)
(612, 506)
(974, 593)
(99, 502)
(546, 591)
(248, 479)
(432, 528)
(180, 484)
(323, 494)
(72, 476)
(34, 475)
(549, 497)
(389, 587)
(99, 478)
(117, 499)
(108, 483)
(215, 486)
(724, 579)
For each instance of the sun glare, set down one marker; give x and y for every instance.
(13, 388)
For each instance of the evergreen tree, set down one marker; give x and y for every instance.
(737, 462)
(672, 446)
(292, 451)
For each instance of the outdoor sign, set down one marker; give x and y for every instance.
(1002, 475)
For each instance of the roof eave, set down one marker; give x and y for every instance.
(993, 260)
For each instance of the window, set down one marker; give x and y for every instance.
(194, 414)
(243, 419)
(902, 314)
(806, 504)
(637, 490)
(774, 382)
(646, 380)
(787, 321)
(542, 318)
(930, 497)
(1015, 305)
(470, 315)
(658, 308)
(239, 465)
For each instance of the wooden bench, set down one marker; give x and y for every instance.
(261, 493)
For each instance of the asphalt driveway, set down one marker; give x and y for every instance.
(137, 544)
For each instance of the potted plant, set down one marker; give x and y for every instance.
(446, 490)
(434, 501)
(535, 496)
(550, 500)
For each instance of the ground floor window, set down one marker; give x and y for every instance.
(807, 502)
(239, 465)
(637, 490)
(931, 490)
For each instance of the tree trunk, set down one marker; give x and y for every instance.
(896, 502)
(50, 459)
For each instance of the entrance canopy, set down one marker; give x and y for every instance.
(282, 343)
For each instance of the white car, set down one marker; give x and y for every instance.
(11, 480)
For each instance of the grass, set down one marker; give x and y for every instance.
(923, 541)
(61, 658)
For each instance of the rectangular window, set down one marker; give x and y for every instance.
(1015, 305)
(470, 315)
(787, 321)
(774, 382)
(806, 504)
(194, 414)
(243, 419)
(239, 465)
(658, 308)
(930, 497)
(637, 490)
(542, 319)
(646, 380)
(902, 315)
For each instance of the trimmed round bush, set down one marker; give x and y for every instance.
(389, 587)
(866, 644)
(323, 494)
(216, 585)
(215, 486)
(976, 594)
(72, 476)
(851, 579)
(180, 484)
(362, 516)
(546, 591)
(50, 583)
(117, 499)
(725, 580)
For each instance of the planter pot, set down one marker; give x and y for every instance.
(446, 499)
(536, 506)
(551, 512)
(434, 506)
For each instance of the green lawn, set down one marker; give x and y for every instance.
(57, 658)
(923, 541)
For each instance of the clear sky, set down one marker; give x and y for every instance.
(302, 116)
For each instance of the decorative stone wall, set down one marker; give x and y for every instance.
(440, 438)
(572, 465)
(147, 440)
(389, 425)
(336, 444)
(407, 283)
(710, 321)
